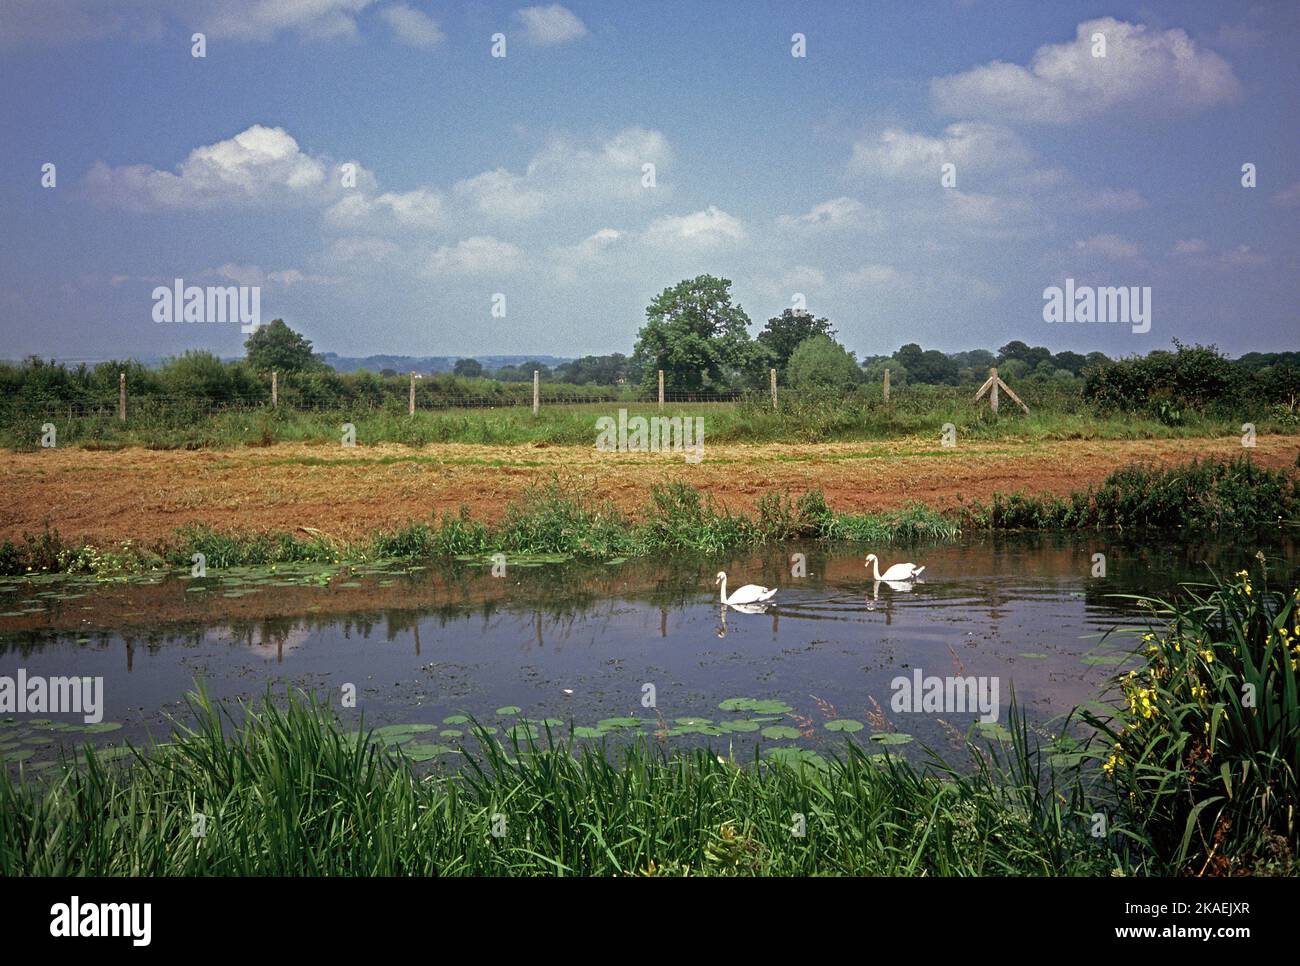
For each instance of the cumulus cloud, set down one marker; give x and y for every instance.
(875, 275)
(58, 22)
(1111, 200)
(263, 19)
(259, 165)
(253, 275)
(550, 26)
(1157, 71)
(362, 249)
(420, 208)
(1198, 254)
(836, 213)
(568, 173)
(568, 260)
(480, 255)
(1107, 246)
(701, 230)
(970, 145)
(500, 194)
(412, 27)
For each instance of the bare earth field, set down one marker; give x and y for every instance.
(146, 494)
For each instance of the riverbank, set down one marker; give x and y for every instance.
(106, 497)
(567, 518)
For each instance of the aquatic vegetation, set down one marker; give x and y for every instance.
(1208, 495)
(1205, 746)
(290, 791)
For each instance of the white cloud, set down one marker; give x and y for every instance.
(262, 20)
(1157, 71)
(700, 230)
(1198, 255)
(550, 26)
(782, 287)
(362, 249)
(971, 146)
(59, 22)
(480, 255)
(833, 214)
(1107, 246)
(258, 165)
(1110, 199)
(567, 260)
(500, 194)
(412, 27)
(875, 275)
(420, 208)
(253, 275)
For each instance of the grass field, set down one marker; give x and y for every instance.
(922, 411)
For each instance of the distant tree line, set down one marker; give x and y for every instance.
(700, 338)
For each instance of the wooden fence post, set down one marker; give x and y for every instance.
(886, 385)
(537, 391)
(410, 407)
(992, 385)
(772, 378)
(121, 396)
(275, 389)
(661, 389)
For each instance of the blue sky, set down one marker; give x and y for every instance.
(523, 175)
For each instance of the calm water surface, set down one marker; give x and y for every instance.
(578, 643)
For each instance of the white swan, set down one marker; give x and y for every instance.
(749, 594)
(900, 571)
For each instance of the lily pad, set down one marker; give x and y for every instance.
(757, 705)
(607, 723)
(847, 725)
(455, 719)
(509, 709)
(891, 738)
(780, 732)
(421, 751)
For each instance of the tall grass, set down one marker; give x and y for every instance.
(1207, 495)
(1206, 748)
(550, 518)
(919, 411)
(288, 791)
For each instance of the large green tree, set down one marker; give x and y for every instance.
(696, 335)
(822, 363)
(276, 346)
(783, 334)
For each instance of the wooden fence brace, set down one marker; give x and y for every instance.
(537, 391)
(121, 396)
(410, 407)
(886, 385)
(661, 389)
(275, 389)
(772, 376)
(994, 383)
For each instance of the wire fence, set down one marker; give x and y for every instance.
(172, 403)
(397, 396)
